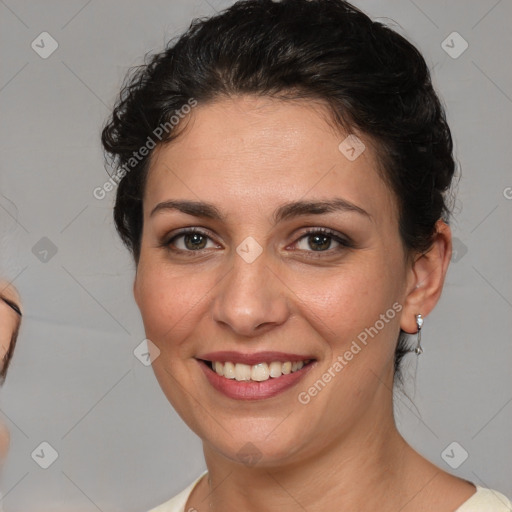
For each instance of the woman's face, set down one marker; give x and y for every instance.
(253, 283)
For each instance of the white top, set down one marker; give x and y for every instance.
(484, 500)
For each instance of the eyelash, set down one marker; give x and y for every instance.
(344, 242)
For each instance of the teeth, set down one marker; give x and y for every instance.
(286, 368)
(275, 369)
(218, 367)
(260, 372)
(229, 370)
(242, 371)
(257, 372)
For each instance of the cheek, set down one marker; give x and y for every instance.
(170, 301)
(342, 302)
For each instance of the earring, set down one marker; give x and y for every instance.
(419, 322)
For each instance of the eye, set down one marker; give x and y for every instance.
(321, 240)
(190, 240)
(318, 240)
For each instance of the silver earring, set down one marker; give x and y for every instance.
(419, 323)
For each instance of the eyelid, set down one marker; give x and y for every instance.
(326, 231)
(187, 231)
(344, 241)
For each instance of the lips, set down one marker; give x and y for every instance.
(257, 376)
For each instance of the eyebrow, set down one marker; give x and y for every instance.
(11, 304)
(284, 212)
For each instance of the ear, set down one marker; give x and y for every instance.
(426, 278)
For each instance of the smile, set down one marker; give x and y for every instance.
(257, 372)
(254, 376)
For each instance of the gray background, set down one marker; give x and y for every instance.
(74, 381)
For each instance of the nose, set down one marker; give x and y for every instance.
(251, 299)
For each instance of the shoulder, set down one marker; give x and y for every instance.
(486, 500)
(178, 502)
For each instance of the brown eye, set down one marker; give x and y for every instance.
(194, 241)
(321, 240)
(190, 240)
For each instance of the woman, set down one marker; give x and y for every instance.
(282, 174)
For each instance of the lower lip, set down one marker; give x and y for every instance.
(252, 390)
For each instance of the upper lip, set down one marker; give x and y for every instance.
(251, 359)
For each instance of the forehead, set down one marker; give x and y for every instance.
(264, 150)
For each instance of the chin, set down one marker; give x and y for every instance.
(258, 446)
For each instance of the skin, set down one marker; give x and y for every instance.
(8, 322)
(342, 450)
